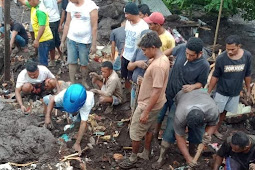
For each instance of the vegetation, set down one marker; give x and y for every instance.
(230, 7)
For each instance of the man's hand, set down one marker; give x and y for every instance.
(62, 46)
(93, 49)
(252, 166)
(192, 164)
(77, 147)
(23, 109)
(47, 123)
(60, 28)
(188, 88)
(144, 117)
(248, 96)
(139, 80)
(94, 90)
(141, 64)
(93, 74)
(36, 43)
(206, 138)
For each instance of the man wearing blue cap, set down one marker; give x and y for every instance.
(72, 100)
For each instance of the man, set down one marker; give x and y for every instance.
(40, 23)
(137, 65)
(189, 72)
(54, 18)
(72, 100)
(196, 111)
(239, 152)
(156, 21)
(134, 26)
(81, 30)
(18, 34)
(109, 84)
(144, 10)
(31, 81)
(117, 38)
(231, 68)
(151, 98)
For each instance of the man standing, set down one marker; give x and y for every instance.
(31, 81)
(72, 100)
(156, 21)
(144, 10)
(54, 18)
(196, 111)
(239, 152)
(231, 68)
(151, 98)
(189, 72)
(81, 30)
(40, 23)
(109, 84)
(134, 26)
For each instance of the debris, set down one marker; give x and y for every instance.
(90, 146)
(64, 166)
(68, 127)
(22, 165)
(215, 146)
(118, 157)
(101, 128)
(4, 84)
(92, 141)
(65, 137)
(99, 133)
(6, 166)
(127, 148)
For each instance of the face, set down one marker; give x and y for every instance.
(149, 52)
(153, 27)
(129, 17)
(33, 75)
(192, 55)
(141, 15)
(232, 49)
(33, 3)
(106, 72)
(236, 148)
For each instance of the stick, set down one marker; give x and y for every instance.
(22, 165)
(74, 155)
(199, 151)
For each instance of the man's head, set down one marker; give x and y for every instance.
(195, 118)
(50, 83)
(131, 11)
(106, 69)
(240, 142)
(144, 10)
(32, 69)
(233, 44)
(194, 48)
(33, 3)
(150, 43)
(155, 21)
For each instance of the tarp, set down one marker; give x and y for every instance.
(156, 6)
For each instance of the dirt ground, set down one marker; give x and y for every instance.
(23, 139)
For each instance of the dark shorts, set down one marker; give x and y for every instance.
(43, 51)
(54, 30)
(124, 71)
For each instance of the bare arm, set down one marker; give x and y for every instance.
(50, 107)
(113, 49)
(66, 27)
(210, 129)
(94, 20)
(181, 142)
(189, 87)
(168, 52)
(212, 84)
(62, 19)
(14, 34)
(40, 33)
(23, 2)
(77, 145)
(217, 163)
(18, 96)
(247, 81)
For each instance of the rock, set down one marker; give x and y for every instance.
(108, 11)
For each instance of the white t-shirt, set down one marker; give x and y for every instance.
(133, 34)
(85, 109)
(52, 9)
(80, 25)
(23, 77)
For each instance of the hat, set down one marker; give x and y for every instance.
(155, 17)
(131, 8)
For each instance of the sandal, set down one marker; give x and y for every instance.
(127, 164)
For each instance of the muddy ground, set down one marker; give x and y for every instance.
(23, 139)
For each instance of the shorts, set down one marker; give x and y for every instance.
(138, 130)
(77, 51)
(125, 73)
(43, 51)
(54, 30)
(230, 104)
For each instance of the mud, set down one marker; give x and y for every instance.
(21, 140)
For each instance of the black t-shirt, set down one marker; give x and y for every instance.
(21, 30)
(242, 158)
(231, 73)
(191, 73)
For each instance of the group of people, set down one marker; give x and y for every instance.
(158, 87)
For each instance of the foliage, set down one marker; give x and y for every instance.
(230, 7)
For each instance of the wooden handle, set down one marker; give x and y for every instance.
(199, 151)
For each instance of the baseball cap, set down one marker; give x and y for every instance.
(155, 17)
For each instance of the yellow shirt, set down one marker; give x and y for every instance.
(39, 17)
(167, 41)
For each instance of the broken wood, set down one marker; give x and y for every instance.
(74, 155)
(21, 165)
(127, 148)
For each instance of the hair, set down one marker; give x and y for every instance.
(144, 9)
(233, 39)
(240, 139)
(195, 44)
(31, 66)
(150, 39)
(107, 64)
(195, 118)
